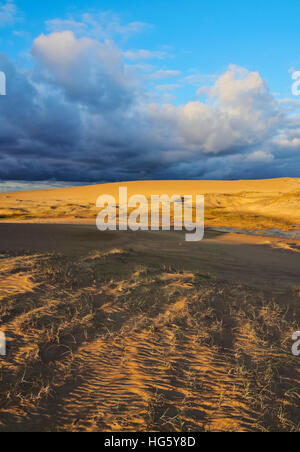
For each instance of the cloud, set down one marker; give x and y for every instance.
(8, 12)
(288, 143)
(103, 25)
(167, 87)
(261, 157)
(81, 114)
(89, 72)
(13, 186)
(241, 114)
(198, 78)
(58, 25)
(163, 74)
(137, 55)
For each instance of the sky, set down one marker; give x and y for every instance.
(104, 91)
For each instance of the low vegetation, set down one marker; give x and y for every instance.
(105, 342)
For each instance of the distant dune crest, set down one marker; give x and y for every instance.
(252, 205)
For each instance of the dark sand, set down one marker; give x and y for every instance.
(252, 260)
(125, 331)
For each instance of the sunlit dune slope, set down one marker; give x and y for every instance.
(242, 204)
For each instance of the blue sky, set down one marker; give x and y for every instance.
(181, 65)
(199, 36)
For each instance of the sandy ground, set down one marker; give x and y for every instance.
(143, 331)
(146, 332)
(230, 256)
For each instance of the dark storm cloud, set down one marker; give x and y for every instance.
(81, 115)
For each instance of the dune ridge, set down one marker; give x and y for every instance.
(253, 204)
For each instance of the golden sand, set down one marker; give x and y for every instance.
(262, 204)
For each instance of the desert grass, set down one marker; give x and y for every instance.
(105, 342)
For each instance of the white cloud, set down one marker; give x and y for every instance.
(163, 74)
(288, 143)
(241, 114)
(8, 12)
(103, 25)
(59, 50)
(58, 25)
(90, 72)
(142, 54)
(198, 78)
(167, 87)
(260, 157)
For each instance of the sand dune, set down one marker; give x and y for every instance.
(262, 204)
(90, 193)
